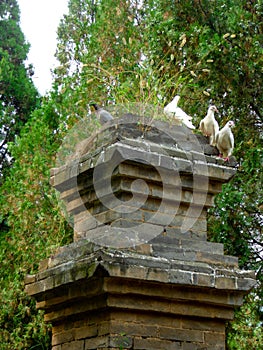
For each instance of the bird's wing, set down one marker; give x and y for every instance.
(171, 107)
(218, 142)
(217, 137)
(231, 138)
(202, 126)
(228, 145)
(216, 127)
(189, 124)
(168, 109)
(179, 113)
(105, 116)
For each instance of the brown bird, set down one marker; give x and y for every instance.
(209, 126)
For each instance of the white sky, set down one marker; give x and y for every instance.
(39, 20)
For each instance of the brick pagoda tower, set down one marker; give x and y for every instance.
(140, 273)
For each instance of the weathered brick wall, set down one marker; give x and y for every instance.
(134, 278)
(127, 330)
(146, 298)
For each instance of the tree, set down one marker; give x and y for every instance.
(99, 53)
(18, 95)
(25, 194)
(209, 50)
(36, 227)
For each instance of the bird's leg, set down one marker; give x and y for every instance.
(226, 159)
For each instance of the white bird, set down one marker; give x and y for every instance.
(225, 141)
(104, 115)
(172, 110)
(209, 126)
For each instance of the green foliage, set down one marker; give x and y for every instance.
(207, 52)
(18, 96)
(245, 332)
(99, 52)
(237, 219)
(35, 227)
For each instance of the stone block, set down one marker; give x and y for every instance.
(30, 279)
(215, 338)
(192, 227)
(181, 277)
(103, 326)
(159, 275)
(172, 151)
(195, 346)
(56, 347)
(175, 164)
(74, 345)
(86, 224)
(34, 288)
(160, 218)
(43, 265)
(222, 282)
(76, 206)
(121, 342)
(172, 252)
(245, 283)
(216, 259)
(86, 332)
(204, 325)
(155, 344)
(202, 246)
(96, 343)
(63, 337)
(145, 249)
(181, 335)
(137, 144)
(204, 280)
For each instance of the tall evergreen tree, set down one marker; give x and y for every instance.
(20, 325)
(18, 96)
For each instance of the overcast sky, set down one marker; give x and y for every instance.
(39, 20)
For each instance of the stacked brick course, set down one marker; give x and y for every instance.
(170, 288)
